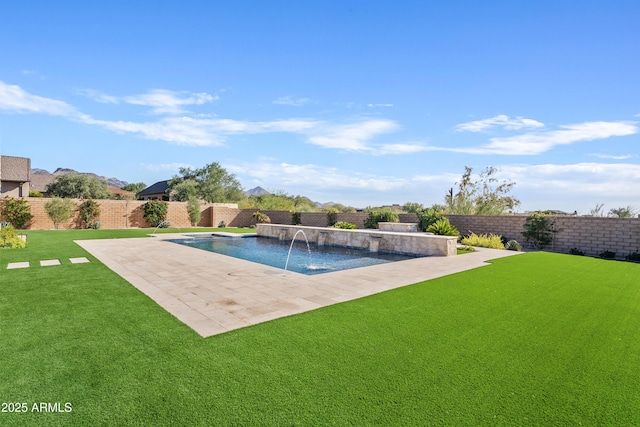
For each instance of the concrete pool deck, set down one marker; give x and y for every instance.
(213, 293)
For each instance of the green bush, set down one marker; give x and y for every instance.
(261, 218)
(607, 255)
(89, 214)
(344, 225)
(380, 215)
(59, 210)
(296, 218)
(35, 193)
(512, 245)
(576, 251)
(492, 241)
(16, 211)
(9, 238)
(193, 209)
(633, 256)
(332, 216)
(443, 227)
(155, 212)
(427, 217)
(539, 229)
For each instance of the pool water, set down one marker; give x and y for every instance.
(273, 252)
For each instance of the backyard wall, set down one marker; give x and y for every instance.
(591, 235)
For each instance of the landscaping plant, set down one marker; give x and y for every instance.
(155, 212)
(539, 229)
(492, 241)
(9, 238)
(344, 225)
(380, 215)
(16, 211)
(193, 209)
(443, 227)
(89, 213)
(59, 210)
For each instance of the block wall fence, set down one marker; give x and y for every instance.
(591, 235)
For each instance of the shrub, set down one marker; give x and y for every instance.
(35, 193)
(576, 251)
(380, 215)
(16, 211)
(261, 218)
(443, 227)
(427, 217)
(344, 225)
(222, 224)
(513, 245)
(9, 238)
(155, 212)
(59, 210)
(193, 209)
(89, 213)
(633, 256)
(332, 216)
(492, 241)
(538, 229)
(607, 255)
(296, 218)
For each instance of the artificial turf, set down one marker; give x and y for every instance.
(536, 339)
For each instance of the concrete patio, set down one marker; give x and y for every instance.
(213, 293)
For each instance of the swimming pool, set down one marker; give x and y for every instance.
(273, 252)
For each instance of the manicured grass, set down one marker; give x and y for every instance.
(535, 339)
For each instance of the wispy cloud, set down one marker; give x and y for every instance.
(292, 102)
(402, 149)
(162, 167)
(161, 101)
(501, 121)
(380, 105)
(613, 157)
(352, 137)
(14, 98)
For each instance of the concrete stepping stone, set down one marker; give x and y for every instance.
(79, 260)
(13, 265)
(49, 262)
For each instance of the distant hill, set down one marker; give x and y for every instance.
(258, 191)
(40, 178)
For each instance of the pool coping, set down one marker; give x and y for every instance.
(213, 293)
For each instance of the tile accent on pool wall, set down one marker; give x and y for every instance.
(213, 293)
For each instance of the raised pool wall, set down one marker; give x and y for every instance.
(375, 240)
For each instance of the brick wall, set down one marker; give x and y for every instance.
(588, 234)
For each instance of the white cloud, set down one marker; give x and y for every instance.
(287, 100)
(536, 143)
(502, 121)
(14, 98)
(162, 101)
(613, 157)
(402, 149)
(352, 137)
(380, 105)
(165, 166)
(100, 97)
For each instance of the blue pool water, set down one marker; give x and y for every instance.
(273, 252)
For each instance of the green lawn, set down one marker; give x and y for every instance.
(536, 339)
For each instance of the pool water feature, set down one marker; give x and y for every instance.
(273, 252)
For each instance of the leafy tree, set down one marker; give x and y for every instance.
(155, 212)
(135, 187)
(213, 183)
(193, 209)
(412, 207)
(89, 213)
(539, 229)
(78, 186)
(59, 210)
(623, 212)
(185, 190)
(16, 211)
(484, 196)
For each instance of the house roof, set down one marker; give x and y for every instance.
(160, 187)
(15, 168)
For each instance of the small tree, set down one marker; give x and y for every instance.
(16, 211)
(485, 196)
(78, 186)
(89, 213)
(155, 212)
(539, 229)
(59, 210)
(380, 215)
(193, 209)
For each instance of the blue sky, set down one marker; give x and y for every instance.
(357, 102)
